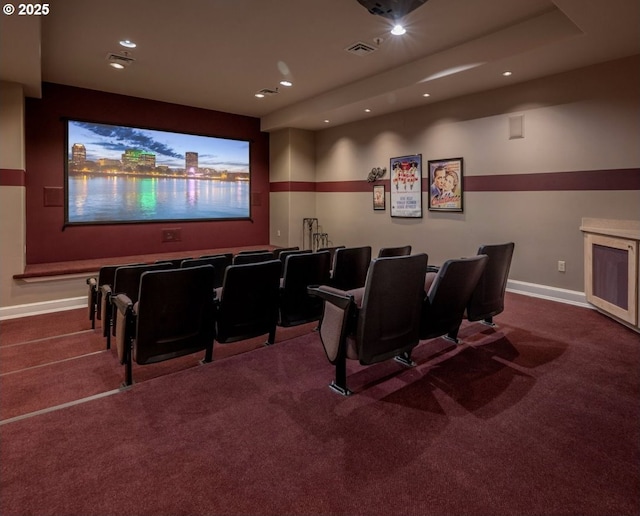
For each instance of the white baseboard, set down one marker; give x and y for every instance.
(44, 307)
(561, 295)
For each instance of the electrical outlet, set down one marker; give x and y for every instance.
(562, 266)
(278, 232)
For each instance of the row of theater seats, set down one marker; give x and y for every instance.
(252, 293)
(166, 310)
(348, 271)
(403, 303)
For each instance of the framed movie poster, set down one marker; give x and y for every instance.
(378, 197)
(406, 186)
(445, 184)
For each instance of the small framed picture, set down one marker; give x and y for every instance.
(406, 186)
(378, 197)
(445, 184)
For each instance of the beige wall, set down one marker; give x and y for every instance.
(578, 121)
(12, 198)
(291, 159)
(11, 126)
(13, 216)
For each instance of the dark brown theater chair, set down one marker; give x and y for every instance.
(257, 257)
(95, 297)
(331, 250)
(278, 250)
(228, 255)
(377, 322)
(251, 251)
(247, 304)
(126, 281)
(300, 271)
(350, 265)
(175, 261)
(282, 256)
(387, 252)
(218, 262)
(487, 299)
(174, 316)
(447, 294)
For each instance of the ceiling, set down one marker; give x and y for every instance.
(216, 54)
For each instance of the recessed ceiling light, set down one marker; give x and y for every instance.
(260, 95)
(507, 73)
(286, 83)
(426, 94)
(398, 30)
(128, 43)
(117, 66)
(367, 110)
(326, 121)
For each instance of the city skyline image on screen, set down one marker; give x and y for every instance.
(121, 174)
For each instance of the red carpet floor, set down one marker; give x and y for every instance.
(538, 417)
(60, 368)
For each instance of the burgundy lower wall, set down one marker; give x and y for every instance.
(49, 241)
(11, 177)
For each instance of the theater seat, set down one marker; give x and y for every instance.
(376, 322)
(247, 305)
(95, 297)
(126, 281)
(228, 255)
(387, 252)
(448, 292)
(487, 299)
(300, 271)
(282, 256)
(332, 251)
(243, 258)
(175, 261)
(276, 252)
(219, 263)
(252, 251)
(174, 316)
(350, 265)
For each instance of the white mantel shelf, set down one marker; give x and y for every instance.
(620, 228)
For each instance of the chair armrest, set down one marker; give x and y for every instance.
(106, 290)
(332, 295)
(122, 303)
(429, 279)
(433, 268)
(337, 320)
(125, 327)
(93, 283)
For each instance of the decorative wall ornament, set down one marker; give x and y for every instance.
(376, 173)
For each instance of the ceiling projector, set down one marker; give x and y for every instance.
(392, 9)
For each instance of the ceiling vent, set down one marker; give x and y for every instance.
(121, 59)
(268, 92)
(361, 49)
